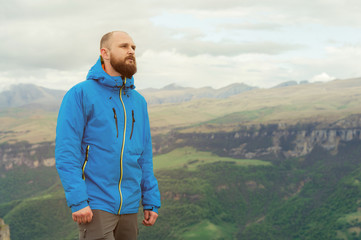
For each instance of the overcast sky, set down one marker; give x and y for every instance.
(192, 43)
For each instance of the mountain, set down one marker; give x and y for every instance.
(314, 102)
(31, 96)
(35, 97)
(286, 84)
(290, 83)
(176, 94)
(280, 163)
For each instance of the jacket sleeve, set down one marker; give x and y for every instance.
(69, 134)
(149, 184)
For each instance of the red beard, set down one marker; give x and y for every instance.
(125, 69)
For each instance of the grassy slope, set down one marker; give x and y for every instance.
(324, 102)
(310, 198)
(214, 195)
(27, 125)
(39, 214)
(190, 158)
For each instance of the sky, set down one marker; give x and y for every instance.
(192, 43)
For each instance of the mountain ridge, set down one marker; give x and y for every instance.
(303, 143)
(35, 97)
(31, 96)
(176, 94)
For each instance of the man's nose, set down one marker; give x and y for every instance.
(131, 51)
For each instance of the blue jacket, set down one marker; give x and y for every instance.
(103, 146)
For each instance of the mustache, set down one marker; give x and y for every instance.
(130, 57)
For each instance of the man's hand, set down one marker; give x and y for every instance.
(149, 218)
(84, 215)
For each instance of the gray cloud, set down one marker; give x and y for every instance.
(63, 35)
(250, 26)
(197, 47)
(325, 12)
(60, 35)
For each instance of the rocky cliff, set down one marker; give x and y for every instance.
(26, 154)
(4, 231)
(261, 141)
(268, 141)
(294, 143)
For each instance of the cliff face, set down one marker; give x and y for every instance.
(296, 141)
(4, 231)
(263, 141)
(293, 143)
(268, 141)
(25, 154)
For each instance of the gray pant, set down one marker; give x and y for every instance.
(109, 226)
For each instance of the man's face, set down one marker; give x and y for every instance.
(122, 57)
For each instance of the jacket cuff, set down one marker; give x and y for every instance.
(151, 208)
(81, 205)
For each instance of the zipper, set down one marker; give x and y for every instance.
(85, 162)
(116, 120)
(123, 143)
(133, 121)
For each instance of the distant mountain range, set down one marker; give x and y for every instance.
(176, 94)
(277, 163)
(35, 97)
(31, 96)
(290, 83)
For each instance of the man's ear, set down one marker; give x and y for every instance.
(104, 52)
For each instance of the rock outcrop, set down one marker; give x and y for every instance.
(268, 141)
(4, 231)
(262, 141)
(26, 154)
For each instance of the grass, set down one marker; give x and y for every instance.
(327, 102)
(349, 218)
(209, 231)
(33, 126)
(190, 158)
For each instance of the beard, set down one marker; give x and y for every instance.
(121, 66)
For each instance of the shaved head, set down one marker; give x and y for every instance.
(117, 51)
(106, 40)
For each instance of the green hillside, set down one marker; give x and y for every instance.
(42, 208)
(208, 189)
(317, 102)
(190, 159)
(317, 197)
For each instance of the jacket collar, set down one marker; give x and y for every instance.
(97, 73)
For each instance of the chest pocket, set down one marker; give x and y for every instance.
(136, 136)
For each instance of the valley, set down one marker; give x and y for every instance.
(279, 163)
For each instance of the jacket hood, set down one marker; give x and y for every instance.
(97, 73)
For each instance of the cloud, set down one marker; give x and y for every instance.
(61, 34)
(218, 71)
(199, 47)
(323, 77)
(258, 42)
(249, 26)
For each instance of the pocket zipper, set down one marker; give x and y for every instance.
(116, 120)
(133, 121)
(85, 162)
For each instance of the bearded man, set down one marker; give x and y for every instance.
(103, 147)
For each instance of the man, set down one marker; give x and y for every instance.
(103, 147)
